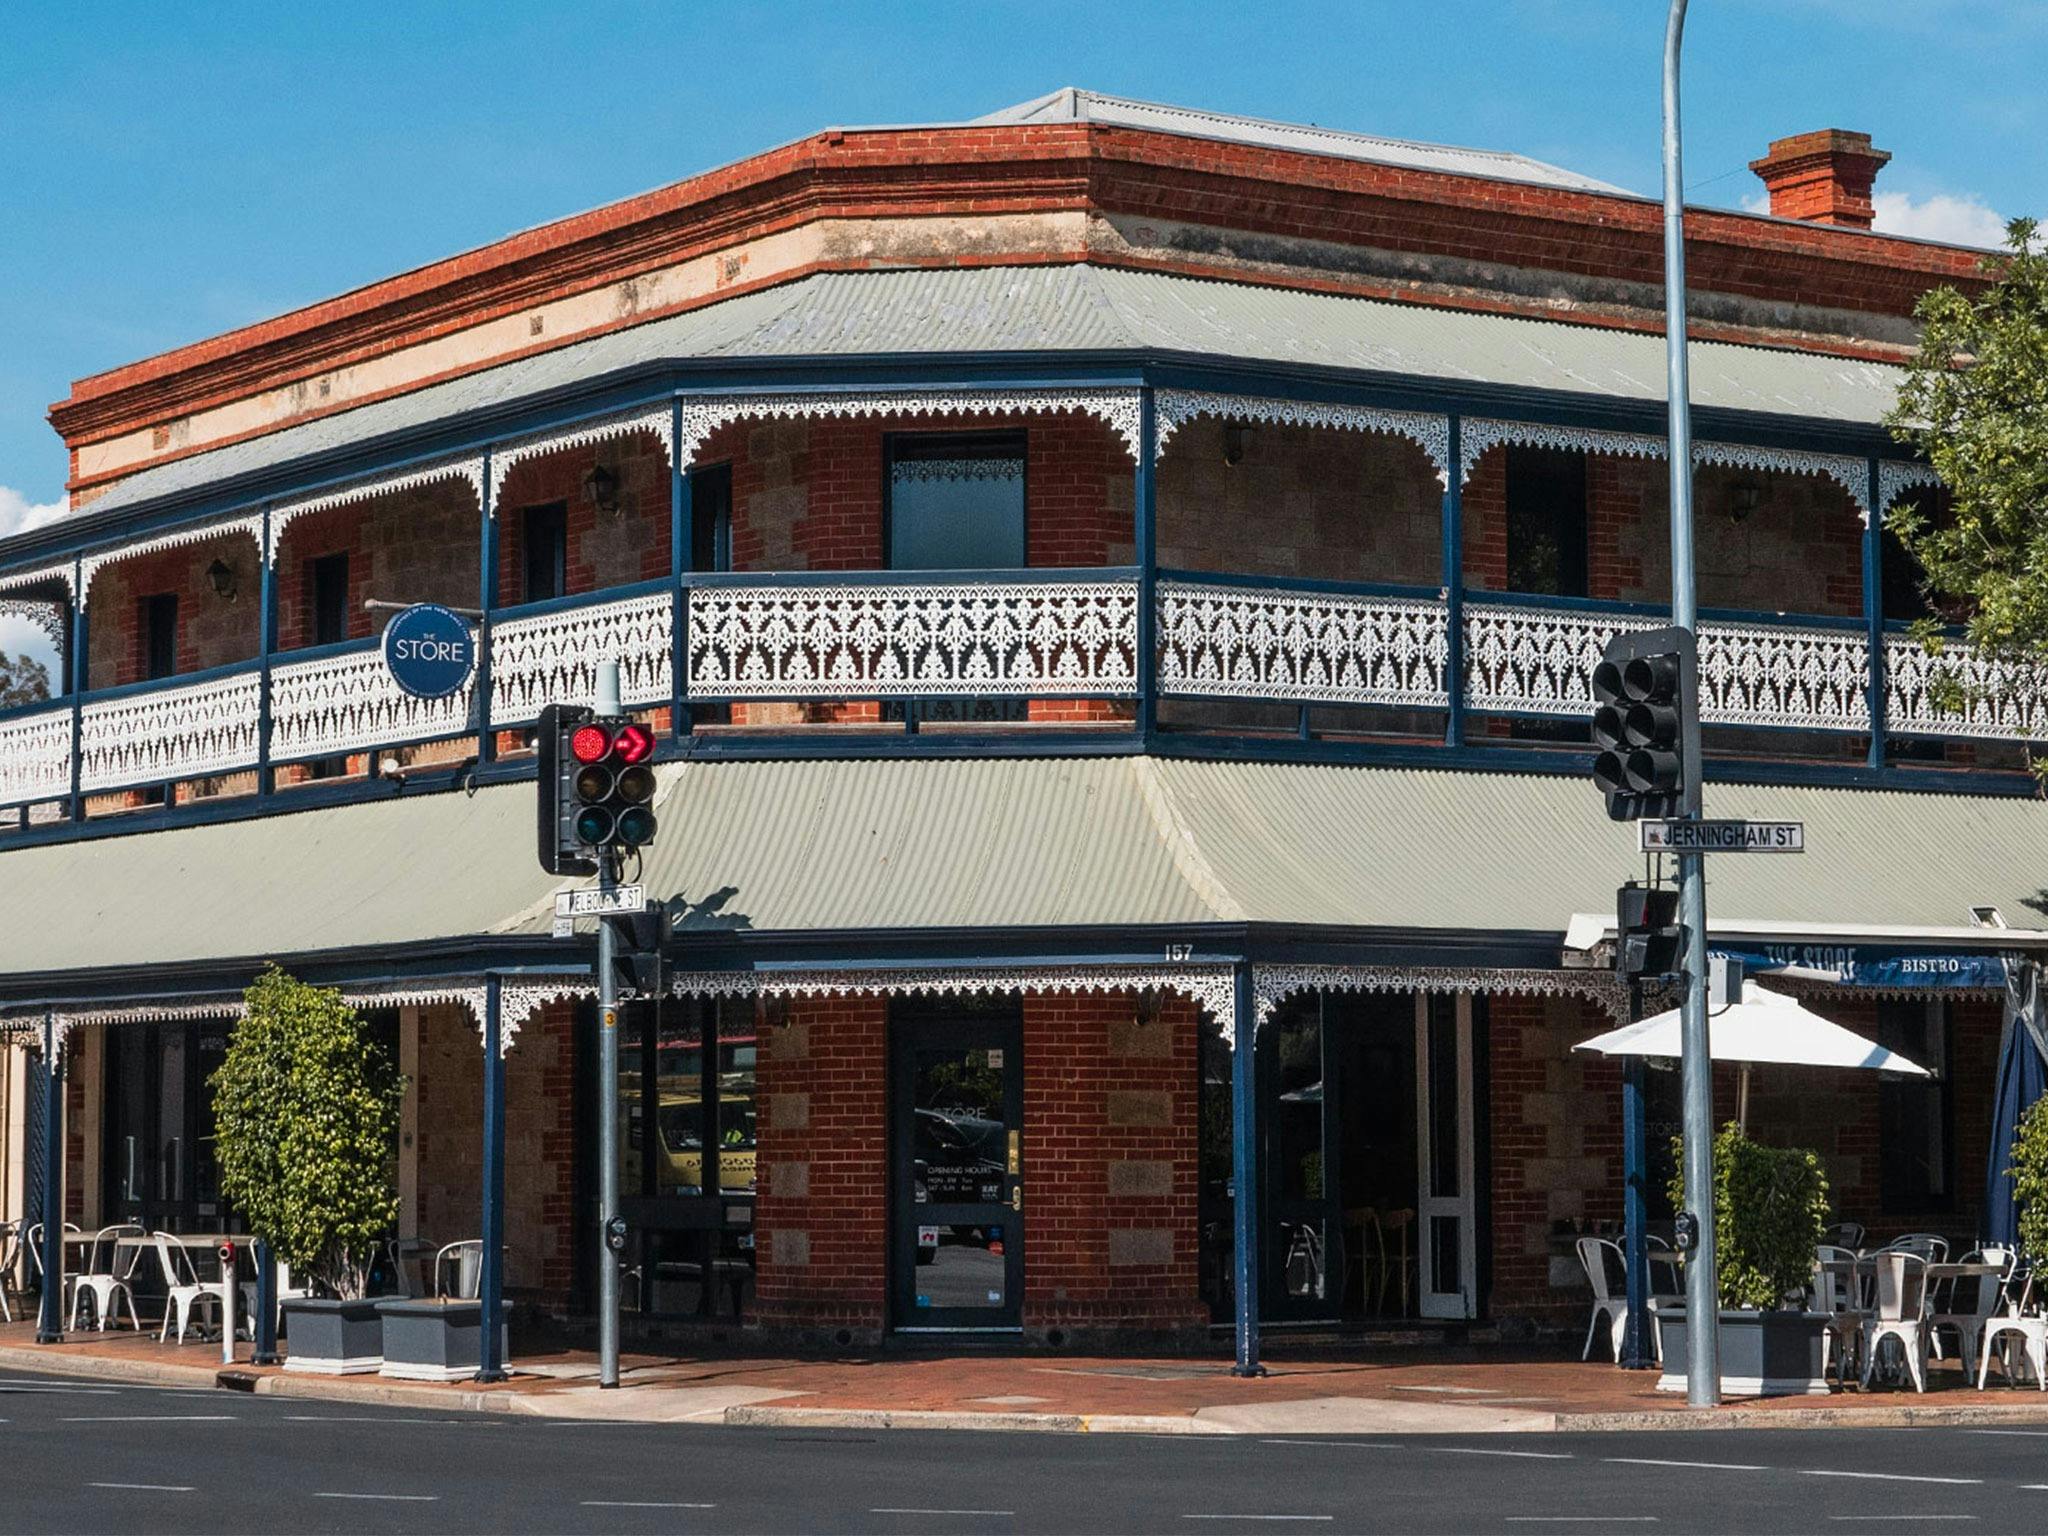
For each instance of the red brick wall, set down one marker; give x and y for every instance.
(1111, 1128)
(415, 546)
(212, 631)
(606, 549)
(821, 1208)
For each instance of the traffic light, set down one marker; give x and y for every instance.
(1647, 938)
(1646, 723)
(560, 851)
(611, 782)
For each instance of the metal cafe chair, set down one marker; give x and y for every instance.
(1901, 1314)
(10, 1251)
(183, 1288)
(2019, 1320)
(35, 1260)
(459, 1269)
(1967, 1303)
(1838, 1294)
(1602, 1260)
(104, 1277)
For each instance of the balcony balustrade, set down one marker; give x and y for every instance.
(1033, 634)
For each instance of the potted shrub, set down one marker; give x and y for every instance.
(1770, 1211)
(306, 1112)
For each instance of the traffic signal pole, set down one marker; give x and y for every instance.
(607, 1089)
(1702, 1290)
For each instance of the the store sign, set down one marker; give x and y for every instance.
(1855, 965)
(429, 651)
(1677, 836)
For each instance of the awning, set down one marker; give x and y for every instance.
(917, 846)
(1048, 312)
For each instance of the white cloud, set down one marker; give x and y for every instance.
(18, 514)
(19, 635)
(1965, 220)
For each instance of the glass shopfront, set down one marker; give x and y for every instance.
(687, 1146)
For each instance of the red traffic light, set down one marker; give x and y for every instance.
(590, 743)
(634, 743)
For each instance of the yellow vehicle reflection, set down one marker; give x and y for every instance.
(679, 1120)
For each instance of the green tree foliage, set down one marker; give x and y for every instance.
(306, 1108)
(1770, 1211)
(2027, 1167)
(23, 680)
(1975, 402)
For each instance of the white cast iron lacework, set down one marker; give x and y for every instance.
(1209, 987)
(47, 614)
(35, 756)
(657, 419)
(1247, 642)
(468, 467)
(1273, 984)
(982, 638)
(1894, 479)
(347, 703)
(705, 414)
(89, 566)
(549, 656)
(1998, 698)
(1527, 660)
(17, 581)
(180, 732)
(519, 1001)
(1174, 408)
(1004, 470)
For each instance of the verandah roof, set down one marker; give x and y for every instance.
(1049, 312)
(822, 847)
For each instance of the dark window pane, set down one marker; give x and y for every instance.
(160, 635)
(327, 583)
(544, 532)
(711, 518)
(1913, 1115)
(1546, 522)
(956, 501)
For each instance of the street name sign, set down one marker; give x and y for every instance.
(429, 651)
(1672, 836)
(597, 901)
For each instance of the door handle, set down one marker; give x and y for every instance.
(1016, 1197)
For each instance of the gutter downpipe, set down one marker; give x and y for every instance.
(1702, 1290)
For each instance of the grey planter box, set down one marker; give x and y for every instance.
(332, 1338)
(1763, 1354)
(435, 1338)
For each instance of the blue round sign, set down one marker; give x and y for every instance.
(429, 651)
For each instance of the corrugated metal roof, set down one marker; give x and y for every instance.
(1073, 105)
(818, 846)
(1053, 310)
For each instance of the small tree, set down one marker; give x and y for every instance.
(23, 680)
(306, 1110)
(1770, 1212)
(2027, 1167)
(1975, 401)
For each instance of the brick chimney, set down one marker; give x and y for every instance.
(1822, 177)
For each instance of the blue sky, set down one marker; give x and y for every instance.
(169, 172)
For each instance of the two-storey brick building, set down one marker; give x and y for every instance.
(1111, 582)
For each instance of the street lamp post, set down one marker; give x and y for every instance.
(1702, 1291)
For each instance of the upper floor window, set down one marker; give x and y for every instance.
(1547, 522)
(956, 501)
(544, 542)
(327, 598)
(711, 518)
(160, 635)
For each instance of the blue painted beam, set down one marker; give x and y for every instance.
(486, 601)
(682, 540)
(266, 629)
(50, 1317)
(1244, 1171)
(1454, 592)
(490, 1364)
(81, 680)
(1145, 541)
(1635, 1353)
(265, 1332)
(1873, 618)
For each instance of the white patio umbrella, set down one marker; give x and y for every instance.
(1765, 1026)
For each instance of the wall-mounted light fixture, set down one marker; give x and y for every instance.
(1148, 1005)
(222, 576)
(1237, 437)
(601, 486)
(1744, 497)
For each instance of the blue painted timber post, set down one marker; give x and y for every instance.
(265, 1330)
(490, 1356)
(50, 1317)
(682, 544)
(81, 671)
(1145, 537)
(1635, 1353)
(266, 632)
(487, 599)
(1244, 1171)
(1454, 588)
(1873, 618)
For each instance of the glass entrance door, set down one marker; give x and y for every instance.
(1444, 1149)
(956, 1081)
(160, 1168)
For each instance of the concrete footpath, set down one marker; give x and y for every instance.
(1463, 1391)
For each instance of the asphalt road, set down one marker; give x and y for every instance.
(87, 1457)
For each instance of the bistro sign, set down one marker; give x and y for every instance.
(429, 651)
